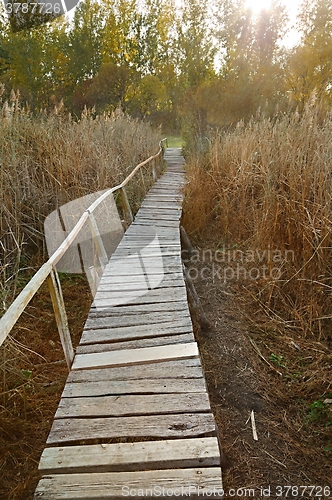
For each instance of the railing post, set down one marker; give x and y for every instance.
(160, 160)
(154, 175)
(60, 316)
(126, 207)
(103, 259)
(142, 179)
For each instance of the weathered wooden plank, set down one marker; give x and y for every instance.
(177, 483)
(132, 291)
(107, 334)
(68, 430)
(128, 405)
(154, 275)
(169, 280)
(145, 386)
(151, 269)
(148, 259)
(179, 369)
(135, 356)
(161, 206)
(164, 234)
(128, 244)
(158, 223)
(108, 300)
(134, 344)
(146, 455)
(141, 309)
(132, 320)
(130, 254)
(151, 215)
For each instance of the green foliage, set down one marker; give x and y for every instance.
(278, 360)
(320, 412)
(204, 63)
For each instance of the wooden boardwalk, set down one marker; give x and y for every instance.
(134, 416)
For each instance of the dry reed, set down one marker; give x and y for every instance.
(267, 185)
(50, 159)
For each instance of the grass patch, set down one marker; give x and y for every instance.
(174, 141)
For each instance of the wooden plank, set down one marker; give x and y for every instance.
(152, 269)
(130, 254)
(169, 280)
(145, 386)
(147, 318)
(108, 334)
(173, 213)
(162, 233)
(69, 430)
(174, 286)
(133, 297)
(146, 455)
(158, 223)
(148, 259)
(162, 245)
(177, 483)
(135, 356)
(128, 405)
(157, 273)
(179, 369)
(141, 309)
(134, 344)
(160, 206)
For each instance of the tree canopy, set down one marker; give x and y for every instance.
(158, 59)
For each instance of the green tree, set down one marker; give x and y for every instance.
(26, 71)
(109, 87)
(85, 41)
(195, 49)
(149, 98)
(310, 64)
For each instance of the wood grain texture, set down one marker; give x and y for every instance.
(66, 430)
(104, 334)
(135, 356)
(129, 405)
(146, 455)
(179, 369)
(134, 344)
(183, 482)
(145, 386)
(101, 318)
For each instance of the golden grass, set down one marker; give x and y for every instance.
(268, 185)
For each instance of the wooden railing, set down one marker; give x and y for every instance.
(48, 270)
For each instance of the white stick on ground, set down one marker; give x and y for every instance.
(253, 424)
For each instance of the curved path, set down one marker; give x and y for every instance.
(135, 416)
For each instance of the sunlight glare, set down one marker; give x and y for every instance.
(257, 5)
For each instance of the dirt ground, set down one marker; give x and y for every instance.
(251, 364)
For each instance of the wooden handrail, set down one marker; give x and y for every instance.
(15, 310)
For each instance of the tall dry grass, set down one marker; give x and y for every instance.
(268, 185)
(50, 159)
